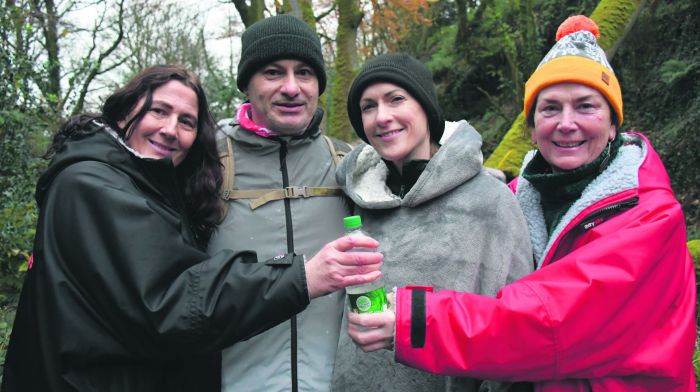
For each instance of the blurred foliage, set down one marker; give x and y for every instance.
(7, 315)
(22, 141)
(24, 120)
(658, 69)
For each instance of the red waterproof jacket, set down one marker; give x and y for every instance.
(610, 308)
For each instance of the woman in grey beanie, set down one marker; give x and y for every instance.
(440, 220)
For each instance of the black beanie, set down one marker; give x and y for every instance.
(279, 37)
(406, 72)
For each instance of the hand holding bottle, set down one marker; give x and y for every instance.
(338, 264)
(373, 331)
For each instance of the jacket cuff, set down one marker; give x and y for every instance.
(293, 260)
(411, 324)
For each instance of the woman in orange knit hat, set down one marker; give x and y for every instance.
(611, 306)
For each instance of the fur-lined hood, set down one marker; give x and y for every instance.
(363, 173)
(621, 174)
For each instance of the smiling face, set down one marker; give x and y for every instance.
(169, 127)
(572, 125)
(395, 123)
(284, 96)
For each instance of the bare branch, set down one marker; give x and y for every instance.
(95, 68)
(496, 106)
(326, 13)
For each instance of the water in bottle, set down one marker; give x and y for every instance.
(367, 297)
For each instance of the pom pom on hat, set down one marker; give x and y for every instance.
(577, 23)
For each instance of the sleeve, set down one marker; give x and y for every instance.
(590, 313)
(124, 256)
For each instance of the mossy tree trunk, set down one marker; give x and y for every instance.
(349, 18)
(614, 18)
(250, 13)
(302, 9)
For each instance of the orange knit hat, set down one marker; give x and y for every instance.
(577, 58)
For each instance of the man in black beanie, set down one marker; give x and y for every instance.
(282, 199)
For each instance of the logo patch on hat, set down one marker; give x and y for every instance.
(606, 78)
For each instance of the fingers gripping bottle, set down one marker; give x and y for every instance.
(367, 297)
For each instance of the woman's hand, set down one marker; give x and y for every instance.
(373, 331)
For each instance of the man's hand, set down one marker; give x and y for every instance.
(373, 331)
(335, 266)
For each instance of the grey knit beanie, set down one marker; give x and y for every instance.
(406, 72)
(279, 37)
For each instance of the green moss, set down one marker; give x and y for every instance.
(509, 154)
(612, 17)
(348, 20)
(307, 13)
(339, 123)
(694, 247)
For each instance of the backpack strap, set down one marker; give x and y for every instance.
(337, 148)
(226, 158)
(261, 197)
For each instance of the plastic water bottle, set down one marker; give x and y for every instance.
(367, 297)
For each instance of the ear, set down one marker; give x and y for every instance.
(532, 136)
(613, 132)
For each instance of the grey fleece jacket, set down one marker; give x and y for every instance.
(457, 228)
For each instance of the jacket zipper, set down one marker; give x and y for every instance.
(594, 219)
(290, 249)
(599, 216)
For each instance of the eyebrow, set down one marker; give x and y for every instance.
(163, 103)
(170, 107)
(276, 64)
(390, 92)
(582, 98)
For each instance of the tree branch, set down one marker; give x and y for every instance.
(95, 68)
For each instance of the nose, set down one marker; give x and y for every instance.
(168, 127)
(384, 116)
(567, 121)
(290, 87)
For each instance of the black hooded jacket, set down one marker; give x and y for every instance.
(119, 297)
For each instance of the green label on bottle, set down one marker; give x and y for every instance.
(371, 302)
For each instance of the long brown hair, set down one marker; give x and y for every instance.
(200, 173)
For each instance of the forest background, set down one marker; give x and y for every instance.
(58, 59)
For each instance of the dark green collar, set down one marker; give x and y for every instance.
(559, 190)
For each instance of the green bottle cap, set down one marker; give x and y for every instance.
(352, 222)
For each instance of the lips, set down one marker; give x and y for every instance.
(568, 144)
(290, 106)
(389, 134)
(161, 148)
